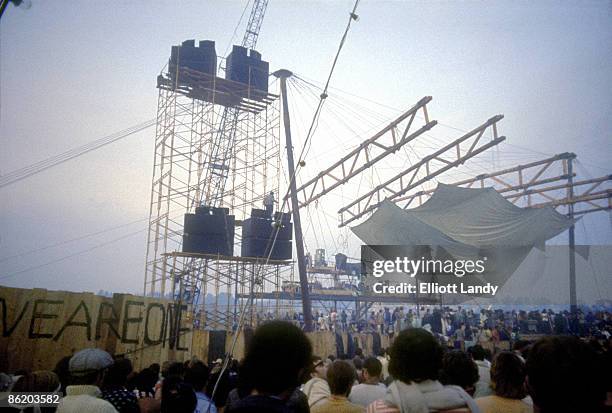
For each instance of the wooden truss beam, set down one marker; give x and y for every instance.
(433, 165)
(387, 141)
(594, 183)
(594, 195)
(505, 180)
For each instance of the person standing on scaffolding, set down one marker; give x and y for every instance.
(268, 202)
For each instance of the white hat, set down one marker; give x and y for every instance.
(88, 361)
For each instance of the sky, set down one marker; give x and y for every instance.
(72, 72)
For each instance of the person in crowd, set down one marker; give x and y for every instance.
(316, 387)
(297, 402)
(268, 202)
(177, 396)
(173, 369)
(460, 337)
(416, 359)
(427, 318)
(371, 389)
(155, 368)
(340, 377)
(564, 375)
(483, 385)
(358, 364)
(63, 372)
(223, 382)
(384, 361)
(6, 384)
(521, 348)
(144, 382)
(495, 336)
(458, 369)
(330, 359)
(87, 369)
(277, 354)
(37, 382)
(380, 321)
(322, 323)
(508, 383)
(114, 387)
(197, 377)
(176, 369)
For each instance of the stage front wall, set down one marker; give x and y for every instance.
(40, 326)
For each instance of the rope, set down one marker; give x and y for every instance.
(46, 247)
(352, 16)
(19, 174)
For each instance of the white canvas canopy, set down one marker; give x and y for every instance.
(474, 217)
(467, 223)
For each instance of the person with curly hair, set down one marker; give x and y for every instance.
(416, 360)
(275, 358)
(508, 383)
(565, 375)
(458, 369)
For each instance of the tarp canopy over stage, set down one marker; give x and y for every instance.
(467, 223)
(474, 217)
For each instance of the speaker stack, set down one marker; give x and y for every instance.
(209, 231)
(259, 232)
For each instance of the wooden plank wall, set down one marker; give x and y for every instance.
(39, 327)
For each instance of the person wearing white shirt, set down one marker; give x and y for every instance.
(371, 389)
(316, 388)
(483, 385)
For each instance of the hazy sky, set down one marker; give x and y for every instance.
(72, 72)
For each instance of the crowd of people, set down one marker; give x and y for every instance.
(465, 323)
(419, 373)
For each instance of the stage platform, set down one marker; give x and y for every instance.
(393, 299)
(253, 260)
(217, 90)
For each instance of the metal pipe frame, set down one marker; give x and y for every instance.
(183, 171)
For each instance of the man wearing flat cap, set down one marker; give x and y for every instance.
(87, 368)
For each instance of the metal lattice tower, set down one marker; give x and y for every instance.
(217, 144)
(186, 172)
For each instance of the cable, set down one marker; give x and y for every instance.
(72, 255)
(27, 171)
(446, 125)
(84, 251)
(71, 240)
(246, 6)
(352, 16)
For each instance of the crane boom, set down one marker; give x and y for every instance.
(224, 139)
(254, 25)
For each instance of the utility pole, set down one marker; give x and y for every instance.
(572, 240)
(283, 74)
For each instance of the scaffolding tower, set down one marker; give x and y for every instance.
(193, 168)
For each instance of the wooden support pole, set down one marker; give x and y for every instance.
(295, 210)
(572, 240)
